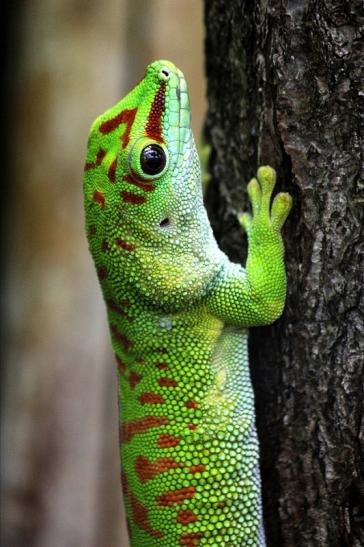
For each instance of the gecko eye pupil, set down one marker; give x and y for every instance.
(152, 159)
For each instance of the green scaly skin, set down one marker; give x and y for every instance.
(178, 312)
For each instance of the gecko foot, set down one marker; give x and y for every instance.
(260, 191)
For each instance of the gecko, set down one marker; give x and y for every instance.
(179, 312)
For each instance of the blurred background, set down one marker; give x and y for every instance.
(68, 61)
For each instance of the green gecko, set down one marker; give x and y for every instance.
(178, 312)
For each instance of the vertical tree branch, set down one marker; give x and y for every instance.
(285, 89)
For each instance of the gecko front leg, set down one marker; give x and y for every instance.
(256, 295)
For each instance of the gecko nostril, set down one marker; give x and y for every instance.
(164, 73)
(165, 223)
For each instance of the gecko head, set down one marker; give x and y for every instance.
(147, 225)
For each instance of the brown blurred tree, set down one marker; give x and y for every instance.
(285, 87)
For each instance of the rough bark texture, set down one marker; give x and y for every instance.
(285, 88)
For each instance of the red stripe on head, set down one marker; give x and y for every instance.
(154, 122)
(111, 172)
(100, 156)
(89, 165)
(127, 117)
(98, 197)
(128, 197)
(92, 164)
(125, 245)
(132, 179)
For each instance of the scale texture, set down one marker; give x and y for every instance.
(178, 313)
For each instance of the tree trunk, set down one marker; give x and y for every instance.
(284, 89)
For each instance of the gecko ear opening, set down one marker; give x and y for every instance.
(165, 223)
(148, 159)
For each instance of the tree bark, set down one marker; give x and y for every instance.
(285, 89)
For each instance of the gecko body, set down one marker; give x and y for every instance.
(178, 312)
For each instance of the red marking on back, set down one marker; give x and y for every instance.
(134, 378)
(200, 468)
(102, 273)
(186, 516)
(117, 309)
(129, 529)
(124, 483)
(132, 179)
(128, 197)
(121, 338)
(147, 470)
(154, 122)
(99, 198)
(176, 497)
(125, 245)
(125, 489)
(111, 172)
(191, 426)
(120, 364)
(134, 427)
(141, 516)
(93, 229)
(150, 398)
(191, 539)
(127, 117)
(167, 382)
(168, 441)
(162, 366)
(191, 404)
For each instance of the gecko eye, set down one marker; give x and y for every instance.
(153, 159)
